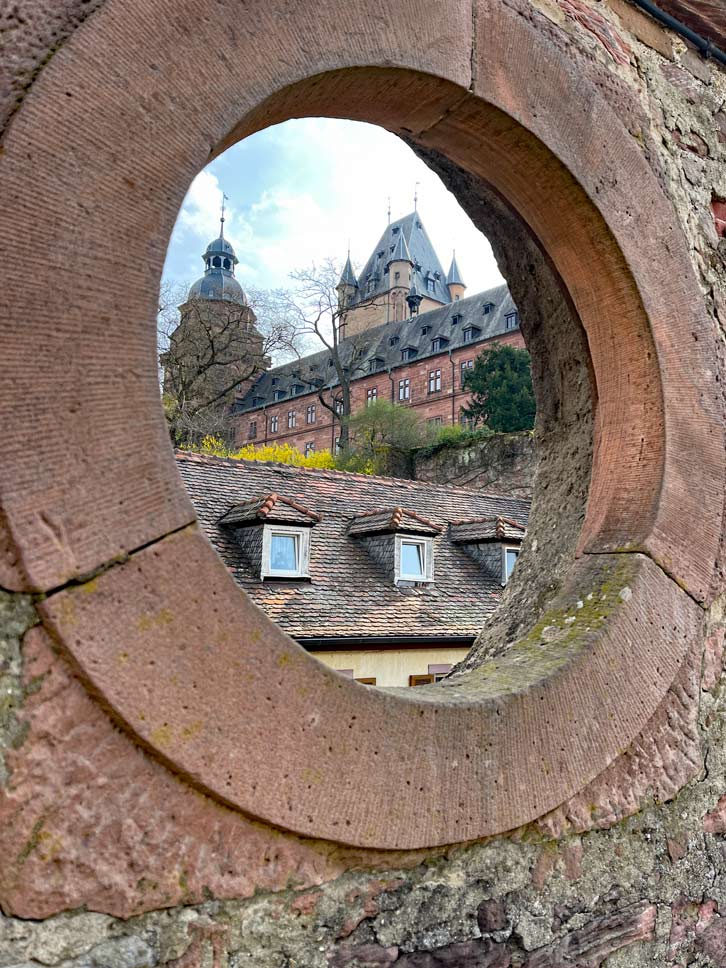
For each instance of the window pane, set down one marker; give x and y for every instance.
(411, 559)
(511, 561)
(283, 552)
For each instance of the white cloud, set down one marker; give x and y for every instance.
(332, 184)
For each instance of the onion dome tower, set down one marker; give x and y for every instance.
(218, 281)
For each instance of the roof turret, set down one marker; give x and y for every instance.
(454, 276)
(347, 276)
(401, 252)
(218, 281)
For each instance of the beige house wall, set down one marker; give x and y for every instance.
(390, 667)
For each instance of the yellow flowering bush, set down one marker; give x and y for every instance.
(274, 452)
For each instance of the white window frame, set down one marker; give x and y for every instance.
(505, 549)
(404, 389)
(428, 558)
(303, 551)
(274, 422)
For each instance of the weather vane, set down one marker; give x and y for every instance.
(225, 198)
(389, 209)
(415, 196)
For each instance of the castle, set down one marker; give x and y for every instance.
(408, 333)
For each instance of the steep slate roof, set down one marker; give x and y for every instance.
(422, 255)
(349, 595)
(376, 344)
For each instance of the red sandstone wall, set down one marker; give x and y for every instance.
(445, 403)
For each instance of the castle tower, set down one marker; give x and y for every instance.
(454, 282)
(405, 249)
(216, 352)
(399, 280)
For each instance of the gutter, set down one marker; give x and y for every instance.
(704, 46)
(355, 642)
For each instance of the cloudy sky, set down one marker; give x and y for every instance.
(299, 191)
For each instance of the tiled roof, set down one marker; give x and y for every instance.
(272, 508)
(486, 529)
(348, 594)
(384, 344)
(393, 519)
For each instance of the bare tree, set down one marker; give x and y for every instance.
(211, 351)
(321, 312)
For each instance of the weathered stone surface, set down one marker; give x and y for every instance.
(634, 237)
(501, 464)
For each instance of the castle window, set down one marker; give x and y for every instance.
(509, 560)
(471, 333)
(296, 389)
(338, 407)
(511, 320)
(413, 559)
(409, 353)
(285, 552)
(375, 364)
(434, 381)
(465, 365)
(291, 419)
(227, 264)
(465, 420)
(371, 285)
(371, 395)
(439, 343)
(309, 448)
(279, 394)
(435, 421)
(455, 319)
(397, 276)
(393, 340)
(252, 432)
(430, 284)
(273, 424)
(310, 414)
(425, 330)
(488, 308)
(404, 389)
(217, 262)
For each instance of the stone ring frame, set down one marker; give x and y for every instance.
(95, 166)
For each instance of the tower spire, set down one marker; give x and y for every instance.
(389, 209)
(415, 196)
(225, 198)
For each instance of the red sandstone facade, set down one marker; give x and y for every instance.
(320, 429)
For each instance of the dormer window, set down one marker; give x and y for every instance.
(487, 308)
(439, 343)
(409, 353)
(285, 552)
(296, 389)
(279, 394)
(511, 320)
(455, 319)
(425, 330)
(275, 380)
(396, 229)
(375, 364)
(430, 284)
(471, 333)
(509, 560)
(257, 401)
(393, 341)
(414, 559)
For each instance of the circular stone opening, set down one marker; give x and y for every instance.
(570, 694)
